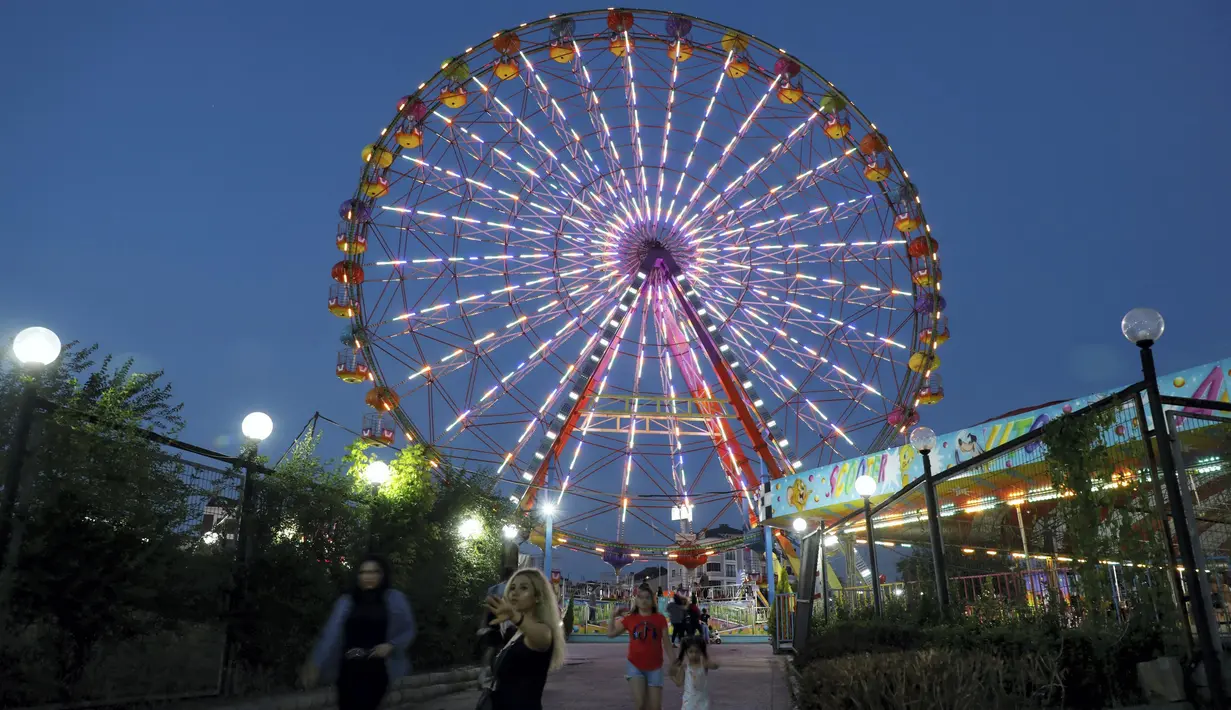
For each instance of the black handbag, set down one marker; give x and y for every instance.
(485, 697)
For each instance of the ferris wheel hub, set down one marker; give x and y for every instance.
(644, 237)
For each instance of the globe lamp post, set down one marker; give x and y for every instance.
(1143, 327)
(256, 427)
(865, 486)
(34, 348)
(470, 528)
(799, 525)
(923, 440)
(377, 473)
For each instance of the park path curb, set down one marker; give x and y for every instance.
(409, 692)
(792, 679)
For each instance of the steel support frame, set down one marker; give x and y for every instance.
(722, 358)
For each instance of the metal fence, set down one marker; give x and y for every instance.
(120, 568)
(1006, 547)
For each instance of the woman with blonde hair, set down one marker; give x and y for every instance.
(533, 642)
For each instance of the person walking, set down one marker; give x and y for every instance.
(677, 613)
(533, 642)
(693, 623)
(648, 645)
(705, 624)
(491, 638)
(691, 670)
(364, 643)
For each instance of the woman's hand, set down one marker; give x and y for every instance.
(500, 609)
(381, 651)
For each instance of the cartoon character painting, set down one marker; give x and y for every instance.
(906, 455)
(967, 447)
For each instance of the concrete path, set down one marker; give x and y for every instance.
(751, 678)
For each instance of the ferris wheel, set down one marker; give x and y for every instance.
(631, 262)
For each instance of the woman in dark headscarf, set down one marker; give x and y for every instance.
(363, 645)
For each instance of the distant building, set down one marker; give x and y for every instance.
(726, 568)
(215, 521)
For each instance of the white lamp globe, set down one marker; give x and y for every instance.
(830, 540)
(799, 525)
(548, 510)
(1142, 324)
(36, 346)
(377, 473)
(865, 485)
(510, 532)
(923, 439)
(470, 528)
(257, 426)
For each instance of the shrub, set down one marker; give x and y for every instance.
(1095, 665)
(931, 678)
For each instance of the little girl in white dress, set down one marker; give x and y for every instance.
(691, 670)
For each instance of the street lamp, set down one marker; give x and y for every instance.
(923, 440)
(257, 426)
(470, 528)
(510, 532)
(865, 486)
(799, 525)
(377, 473)
(34, 348)
(1143, 327)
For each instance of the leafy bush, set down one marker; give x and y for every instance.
(118, 591)
(930, 678)
(1094, 665)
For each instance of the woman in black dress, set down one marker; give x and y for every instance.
(533, 641)
(364, 643)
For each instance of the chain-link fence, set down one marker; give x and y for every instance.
(116, 577)
(144, 569)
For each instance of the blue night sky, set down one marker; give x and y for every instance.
(170, 175)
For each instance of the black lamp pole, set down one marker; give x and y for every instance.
(1183, 532)
(938, 545)
(876, 579)
(17, 461)
(374, 514)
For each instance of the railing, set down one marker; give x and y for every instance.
(1004, 546)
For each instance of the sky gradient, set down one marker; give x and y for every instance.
(170, 175)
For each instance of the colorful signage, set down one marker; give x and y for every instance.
(833, 485)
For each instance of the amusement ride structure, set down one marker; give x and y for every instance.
(635, 263)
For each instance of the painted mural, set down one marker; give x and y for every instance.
(834, 484)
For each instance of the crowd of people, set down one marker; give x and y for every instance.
(364, 644)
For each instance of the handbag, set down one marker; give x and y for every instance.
(485, 697)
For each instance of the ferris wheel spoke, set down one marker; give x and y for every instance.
(522, 177)
(570, 139)
(727, 151)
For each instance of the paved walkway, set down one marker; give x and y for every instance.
(750, 678)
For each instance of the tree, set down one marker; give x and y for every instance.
(1103, 513)
(105, 552)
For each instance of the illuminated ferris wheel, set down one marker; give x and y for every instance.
(631, 262)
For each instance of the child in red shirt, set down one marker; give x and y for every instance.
(648, 643)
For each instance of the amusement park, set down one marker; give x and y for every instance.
(639, 323)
